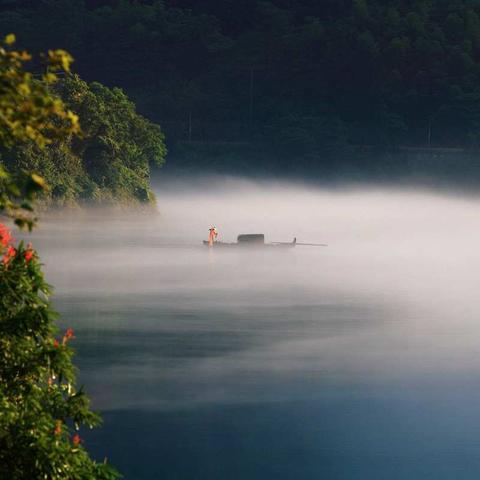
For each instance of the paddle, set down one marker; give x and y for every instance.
(306, 244)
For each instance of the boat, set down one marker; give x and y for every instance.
(251, 240)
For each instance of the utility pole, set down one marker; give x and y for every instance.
(251, 69)
(429, 132)
(190, 126)
(250, 112)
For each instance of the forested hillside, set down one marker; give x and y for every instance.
(110, 160)
(296, 78)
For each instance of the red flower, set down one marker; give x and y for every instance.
(9, 255)
(5, 241)
(55, 343)
(76, 439)
(5, 236)
(68, 335)
(28, 253)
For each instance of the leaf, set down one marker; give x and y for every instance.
(38, 180)
(50, 77)
(10, 39)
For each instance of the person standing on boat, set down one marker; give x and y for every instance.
(212, 236)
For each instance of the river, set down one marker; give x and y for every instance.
(360, 360)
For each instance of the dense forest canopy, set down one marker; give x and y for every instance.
(298, 76)
(108, 162)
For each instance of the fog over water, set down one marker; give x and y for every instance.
(356, 360)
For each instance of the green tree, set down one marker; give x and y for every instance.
(365, 59)
(118, 145)
(29, 114)
(110, 161)
(41, 408)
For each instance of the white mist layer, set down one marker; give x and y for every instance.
(392, 300)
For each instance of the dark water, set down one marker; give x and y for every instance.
(356, 361)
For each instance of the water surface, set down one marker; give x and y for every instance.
(359, 360)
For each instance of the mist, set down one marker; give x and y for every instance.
(392, 297)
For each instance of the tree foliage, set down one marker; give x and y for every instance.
(388, 71)
(40, 132)
(119, 145)
(29, 114)
(27, 110)
(110, 161)
(41, 408)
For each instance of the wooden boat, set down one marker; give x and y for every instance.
(252, 240)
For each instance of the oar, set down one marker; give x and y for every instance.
(306, 244)
(313, 244)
